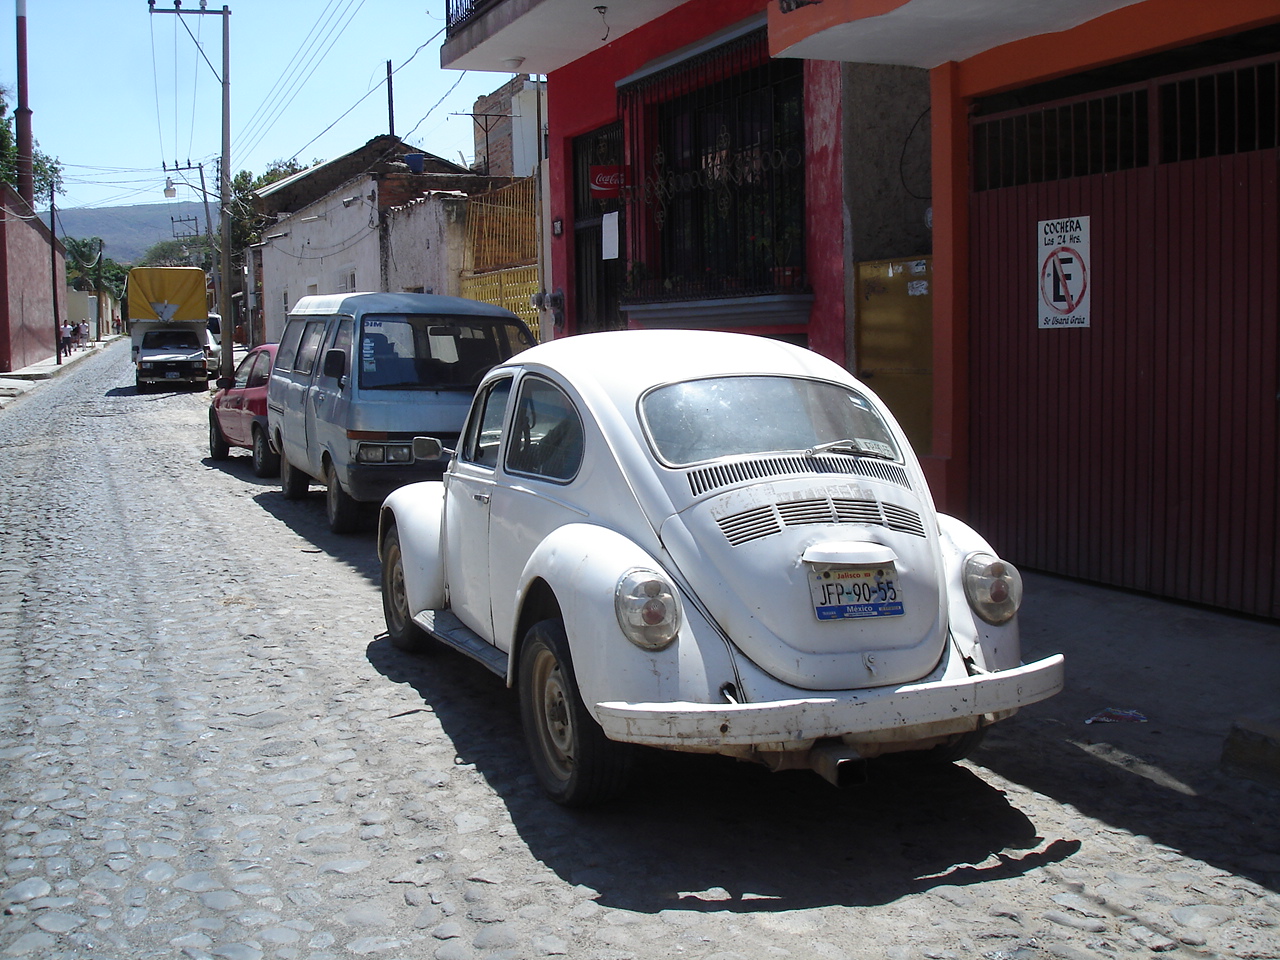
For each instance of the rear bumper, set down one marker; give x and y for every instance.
(862, 712)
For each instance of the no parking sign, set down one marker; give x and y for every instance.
(1062, 252)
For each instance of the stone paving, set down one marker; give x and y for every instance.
(211, 750)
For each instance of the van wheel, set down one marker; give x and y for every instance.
(219, 449)
(575, 763)
(344, 512)
(293, 482)
(266, 462)
(403, 632)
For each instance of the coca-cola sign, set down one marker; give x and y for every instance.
(606, 182)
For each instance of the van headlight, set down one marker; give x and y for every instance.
(647, 608)
(993, 587)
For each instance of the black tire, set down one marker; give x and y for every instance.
(219, 449)
(403, 632)
(266, 462)
(576, 764)
(345, 514)
(293, 482)
(141, 386)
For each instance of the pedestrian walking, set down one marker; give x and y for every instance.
(82, 334)
(64, 340)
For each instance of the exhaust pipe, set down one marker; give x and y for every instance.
(838, 764)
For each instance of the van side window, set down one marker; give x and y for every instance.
(310, 346)
(289, 340)
(341, 339)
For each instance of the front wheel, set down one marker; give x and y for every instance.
(293, 482)
(266, 462)
(575, 763)
(343, 511)
(219, 449)
(404, 633)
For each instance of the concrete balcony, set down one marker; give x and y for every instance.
(537, 36)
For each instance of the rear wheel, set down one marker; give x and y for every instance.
(219, 449)
(293, 482)
(575, 763)
(266, 462)
(404, 633)
(344, 512)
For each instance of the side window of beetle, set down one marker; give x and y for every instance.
(547, 433)
(484, 431)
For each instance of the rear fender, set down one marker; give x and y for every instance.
(582, 564)
(989, 647)
(417, 511)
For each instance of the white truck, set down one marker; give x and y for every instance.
(169, 327)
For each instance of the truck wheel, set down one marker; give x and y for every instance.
(141, 387)
(404, 633)
(293, 482)
(219, 449)
(266, 462)
(344, 512)
(575, 763)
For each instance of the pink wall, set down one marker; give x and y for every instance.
(824, 207)
(26, 291)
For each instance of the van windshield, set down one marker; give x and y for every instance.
(421, 352)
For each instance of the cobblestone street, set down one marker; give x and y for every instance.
(210, 749)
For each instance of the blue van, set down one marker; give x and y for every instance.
(357, 376)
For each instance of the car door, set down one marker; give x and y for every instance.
(327, 403)
(469, 489)
(231, 403)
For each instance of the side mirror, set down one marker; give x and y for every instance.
(335, 363)
(428, 448)
(226, 383)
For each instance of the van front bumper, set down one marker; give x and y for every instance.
(372, 482)
(858, 712)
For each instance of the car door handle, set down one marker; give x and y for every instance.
(480, 497)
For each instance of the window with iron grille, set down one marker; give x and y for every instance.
(714, 199)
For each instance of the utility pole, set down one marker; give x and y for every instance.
(25, 141)
(391, 104)
(224, 297)
(97, 282)
(53, 270)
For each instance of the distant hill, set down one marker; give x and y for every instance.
(130, 231)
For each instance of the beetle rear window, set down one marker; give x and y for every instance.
(700, 420)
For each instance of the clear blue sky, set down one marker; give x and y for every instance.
(116, 91)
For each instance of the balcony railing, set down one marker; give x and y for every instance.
(458, 13)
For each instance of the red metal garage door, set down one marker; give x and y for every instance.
(1142, 450)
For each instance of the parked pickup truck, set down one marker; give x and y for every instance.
(169, 327)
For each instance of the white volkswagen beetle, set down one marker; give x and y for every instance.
(705, 542)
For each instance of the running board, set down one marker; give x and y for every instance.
(449, 630)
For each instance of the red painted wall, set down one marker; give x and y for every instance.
(26, 290)
(582, 97)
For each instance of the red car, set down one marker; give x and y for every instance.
(238, 416)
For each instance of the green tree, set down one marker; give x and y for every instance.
(187, 252)
(246, 224)
(46, 171)
(84, 271)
